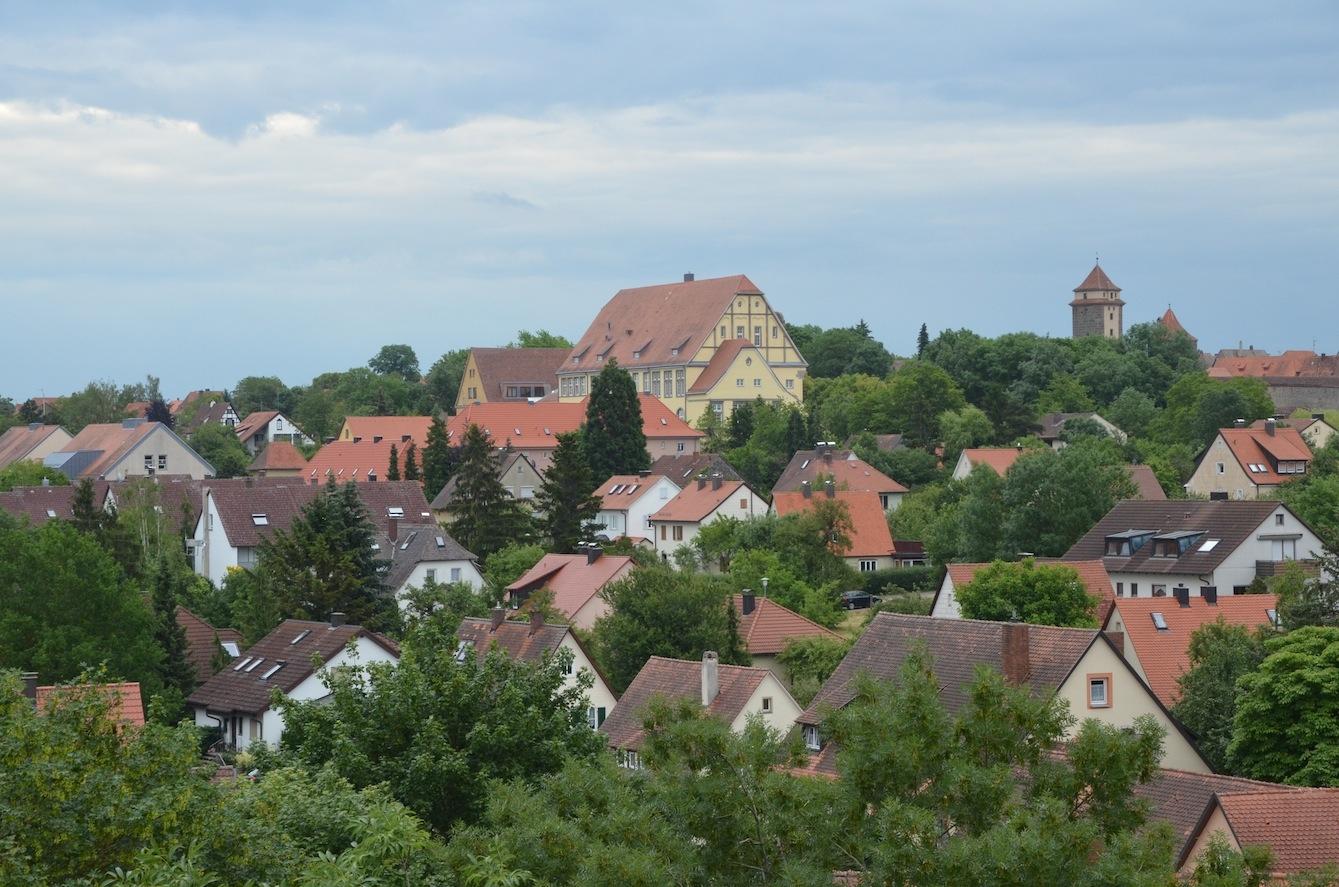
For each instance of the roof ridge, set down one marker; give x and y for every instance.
(940, 619)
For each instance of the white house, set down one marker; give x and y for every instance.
(425, 553)
(627, 502)
(130, 448)
(266, 426)
(677, 523)
(294, 658)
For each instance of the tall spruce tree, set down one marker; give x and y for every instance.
(564, 498)
(393, 469)
(922, 341)
(796, 433)
(411, 463)
(176, 669)
(438, 459)
(485, 516)
(614, 438)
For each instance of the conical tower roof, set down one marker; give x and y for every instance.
(1096, 280)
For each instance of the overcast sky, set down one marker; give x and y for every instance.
(209, 191)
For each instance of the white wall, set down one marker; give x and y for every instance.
(469, 573)
(946, 603)
(599, 695)
(784, 707)
(632, 520)
(212, 547)
(755, 505)
(181, 459)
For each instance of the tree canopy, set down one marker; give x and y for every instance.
(1039, 594)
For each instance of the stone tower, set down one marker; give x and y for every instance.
(1098, 306)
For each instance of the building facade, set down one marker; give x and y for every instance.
(1098, 307)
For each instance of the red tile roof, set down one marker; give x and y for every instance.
(127, 706)
(523, 641)
(572, 578)
(255, 422)
(1096, 280)
(656, 321)
(535, 426)
(629, 487)
(17, 442)
(1289, 364)
(1170, 322)
(719, 363)
(1093, 574)
(675, 679)
(203, 642)
(1165, 654)
(1300, 826)
(999, 458)
(1179, 798)
(346, 460)
(1257, 447)
(770, 626)
(280, 455)
(697, 500)
(499, 367)
(848, 471)
(37, 503)
(391, 429)
(113, 440)
(870, 536)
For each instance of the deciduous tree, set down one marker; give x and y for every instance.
(1220, 654)
(1027, 591)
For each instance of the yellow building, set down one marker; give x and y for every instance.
(696, 345)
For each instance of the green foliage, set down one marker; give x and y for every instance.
(895, 579)
(564, 499)
(411, 471)
(810, 661)
(1286, 727)
(1221, 866)
(509, 563)
(443, 379)
(98, 402)
(785, 585)
(962, 428)
(539, 339)
(1198, 406)
(614, 438)
(30, 474)
(920, 393)
(218, 445)
(851, 404)
(254, 393)
(397, 360)
(447, 603)
(1039, 594)
(1132, 412)
(439, 459)
(843, 351)
(393, 466)
(484, 515)
(166, 582)
(1064, 394)
(1305, 600)
(1220, 654)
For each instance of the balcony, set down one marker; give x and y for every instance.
(1270, 569)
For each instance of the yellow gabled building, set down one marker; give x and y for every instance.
(697, 345)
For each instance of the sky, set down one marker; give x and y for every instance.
(209, 191)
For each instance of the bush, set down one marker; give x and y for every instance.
(911, 603)
(903, 579)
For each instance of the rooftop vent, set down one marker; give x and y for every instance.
(688, 277)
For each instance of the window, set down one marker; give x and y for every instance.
(148, 462)
(1219, 468)
(1283, 549)
(680, 380)
(677, 534)
(655, 382)
(722, 332)
(718, 407)
(811, 740)
(395, 511)
(790, 383)
(1134, 589)
(432, 575)
(757, 383)
(270, 673)
(1278, 519)
(162, 461)
(767, 705)
(680, 447)
(527, 492)
(1120, 589)
(867, 566)
(254, 662)
(1159, 591)
(757, 335)
(463, 650)
(260, 520)
(664, 492)
(774, 332)
(246, 558)
(455, 574)
(629, 760)
(1099, 691)
(739, 383)
(663, 532)
(302, 634)
(739, 332)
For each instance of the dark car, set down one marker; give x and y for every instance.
(857, 600)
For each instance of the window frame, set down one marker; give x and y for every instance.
(1104, 679)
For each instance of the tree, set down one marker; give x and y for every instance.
(564, 500)
(443, 379)
(411, 471)
(218, 445)
(963, 428)
(509, 563)
(1052, 498)
(254, 393)
(1220, 654)
(158, 411)
(922, 342)
(657, 612)
(1309, 600)
(395, 360)
(614, 436)
(920, 393)
(177, 673)
(27, 473)
(484, 515)
(437, 731)
(539, 339)
(99, 402)
(439, 459)
(810, 661)
(393, 469)
(740, 425)
(1132, 412)
(103, 525)
(1039, 594)
(316, 414)
(1064, 394)
(1286, 728)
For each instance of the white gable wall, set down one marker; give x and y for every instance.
(784, 707)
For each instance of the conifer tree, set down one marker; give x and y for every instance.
(411, 463)
(485, 516)
(176, 669)
(795, 432)
(393, 470)
(438, 459)
(922, 341)
(564, 498)
(102, 525)
(614, 438)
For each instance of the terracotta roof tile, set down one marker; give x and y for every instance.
(400, 430)
(623, 490)
(870, 536)
(347, 460)
(1001, 459)
(37, 504)
(1257, 447)
(695, 501)
(848, 472)
(677, 679)
(1300, 826)
(688, 466)
(279, 455)
(1289, 364)
(17, 442)
(203, 642)
(110, 441)
(1096, 280)
(499, 367)
(1179, 797)
(770, 626)
(514, 638)
(1164, 654)
(255, 422)
(535, 426)
(126, 701)
(719, 363)
(572, 578)
(1171, 322)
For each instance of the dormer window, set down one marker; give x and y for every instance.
(1127, 543)
(1177, 543)
(812, 740)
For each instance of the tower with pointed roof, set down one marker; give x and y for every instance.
(1097, 306)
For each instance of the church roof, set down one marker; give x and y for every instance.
(1096, 280)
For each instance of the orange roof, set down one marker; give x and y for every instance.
(347, 460)
(655, 322)
(127, 708)
(1165, 654)
(1093, 574)
(1289, 363)
(870, 536)
(255, 422)
(535, 426)
(1170, 321)
(719, 363)
(999, 458)
(770, 626)
(17, 442)
(622, 490)
(1096, 280)
(397, 429)
(113, 440)
(848, 471)
(1301, 826)
(573, 578)
(280, 455)
(1255, 448)
(695, 501)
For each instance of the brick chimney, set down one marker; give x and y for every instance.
(807, 489)
(497, 615)
(1015, 661)
(593, 553)
(749, 601)
(30, 686)
(337, 619)
(711, 678)
(393, 529)
(536, 621)
(829, 489)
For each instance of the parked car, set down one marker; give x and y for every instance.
(857, 600)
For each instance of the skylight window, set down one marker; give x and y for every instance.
(231, 648)
(301, 635)
(270, 673)
(395, 512)
(463, 650)
(51, 512)
(632, 488)
(404, 546)
(804, 464)
(254, 662)
(1273, 616)
(615, 489)
(441, 541)
(1159, 621)
(1209, 545)
(260, 520)
(241, 665)
(376, 546)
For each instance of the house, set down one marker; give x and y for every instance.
(574, 580)
(533, 427)
(420, 553)
(517, 473)
(130, 448)
(532, 642)
(1145, 483)
(871, 546)
(844, 468)
(125, 702)
(1053, 428)
(697, 345)
(766, 628)
(1248, 463)
(1092, 574)
(357, 460)
(1156, 631)
(31, 443)
(515, 374)
(909, 553)
(677, 523)
(37, 505)
(999, 458)
(206, 645)
(627, 502)
(1079, 665)
(1295, 380)
(236, 515)
(1155, 549)
(1300, 826)
(729, 693)
(278, 459)
(684, 467)
(400, 430)
(1314, 429)
(264, 427)
(293, 659)
(200, 408)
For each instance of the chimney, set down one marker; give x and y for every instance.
(46, 481)
(750, 602)
(337, 619)
(393, 528)
(1182, 596)
(715, 481)
(33, 426)
(1117, 639)
(701, 482)
(829, 489)
(1240, 423)
(645, 472)
(536, 620)
(497, 615)
(30, 685)
(688, 277)
(250, 481)
(1271, 425)
(827, 455)
(807, 489)
(711, 678)
(1014, 655)
(1210, 594)
(593, 553)
(1320, 416)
